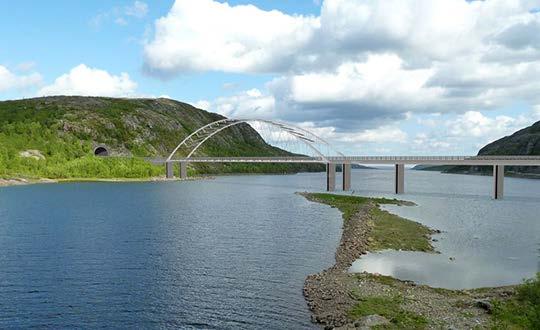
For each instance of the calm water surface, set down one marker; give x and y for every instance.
(234, 252)
(491, 242)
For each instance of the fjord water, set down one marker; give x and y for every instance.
(234, 252)
(484, 242)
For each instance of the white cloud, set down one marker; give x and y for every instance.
(83, 80)
(477, 125)
(349, 98)
(244, 38)
(361, 60)
(247, 104)
(536, 111)
(121, 21)
(381, 134)
(362, 66)
(202, 104)
(138, 9)
(208, 35)
(13, 81)
(358, 92)
(468, 132)
(121, 15)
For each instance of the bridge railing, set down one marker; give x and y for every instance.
(431, 158)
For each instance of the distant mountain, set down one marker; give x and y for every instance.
(525, 142)
(361, 167)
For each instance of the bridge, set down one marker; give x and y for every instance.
(317, 146)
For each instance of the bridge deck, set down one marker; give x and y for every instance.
(427, 160)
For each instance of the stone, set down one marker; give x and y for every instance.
(35, 154)
(372, 320)
(484, 304)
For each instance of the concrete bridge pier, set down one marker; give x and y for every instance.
(346, 173)
(399, 183)
(330, 177)
(183, 170)
(169, 170)
(498, 181)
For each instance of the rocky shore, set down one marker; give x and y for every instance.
(339, 299)
(22, 181)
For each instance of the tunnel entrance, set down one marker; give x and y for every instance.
(101, 152)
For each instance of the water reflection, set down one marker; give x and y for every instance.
(493, 242)
(440, 271)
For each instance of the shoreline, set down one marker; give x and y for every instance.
(343, 300)
(24, 182)
(29, 181)
(509, 174)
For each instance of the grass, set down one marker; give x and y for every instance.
(522, 311)
(390, 308)
(383, 279)
(388, 231)
(393, 232)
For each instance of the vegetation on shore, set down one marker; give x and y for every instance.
(54, 137)
(389, 308)
(388, 231)
(522, 311)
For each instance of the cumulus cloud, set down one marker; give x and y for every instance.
(13, 81)
(354, 96)
(357, 93)
(208, 35)
(476, 124)
(247, 104)
(362, 59)
(364, 65)
(84, 80)
(381, 134)
(468, 132)
(522, 35)
(247, 39)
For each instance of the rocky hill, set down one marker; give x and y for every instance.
(525, 142)
(55, 137)
(522, 142)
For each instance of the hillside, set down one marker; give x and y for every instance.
(55, 137)
(525, 142)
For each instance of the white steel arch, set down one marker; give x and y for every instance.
(196, 139)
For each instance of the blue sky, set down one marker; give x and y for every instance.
(60, 36)
(392, 77)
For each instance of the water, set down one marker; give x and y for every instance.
(485, 242)
(208, 254)
(233, 252)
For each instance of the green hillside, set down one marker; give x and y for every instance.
(54, 137)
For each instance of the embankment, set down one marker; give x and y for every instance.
(338, 298)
